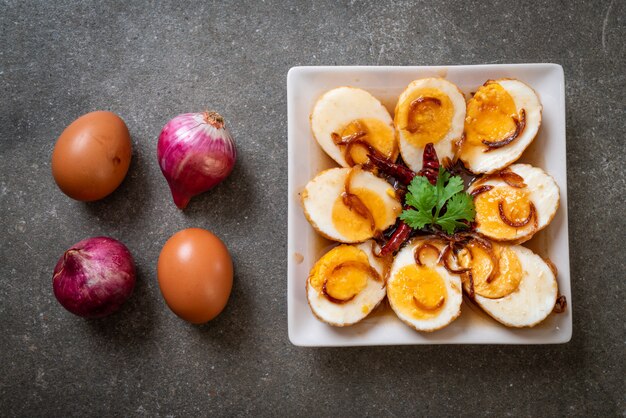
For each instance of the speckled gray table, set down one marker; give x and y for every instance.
(150, 61)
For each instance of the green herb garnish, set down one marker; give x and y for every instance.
(445, 204)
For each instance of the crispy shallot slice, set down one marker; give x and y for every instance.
(520, 124)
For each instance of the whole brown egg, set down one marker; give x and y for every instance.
(92, 155)
(195, 273)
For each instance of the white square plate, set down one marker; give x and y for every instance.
(306, 159)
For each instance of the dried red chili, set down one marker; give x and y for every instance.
(400, 235)
(430, 170)
(400, 172)
(430, 164)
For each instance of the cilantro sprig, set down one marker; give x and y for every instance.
(445, 204)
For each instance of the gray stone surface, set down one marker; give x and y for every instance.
(150, 61)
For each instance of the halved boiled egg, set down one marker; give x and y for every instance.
(349, 123)
(502, 119)
(350, 204)
(425, 296)
(429, 110)
(515, 203)
(346, 284)
(519, 290)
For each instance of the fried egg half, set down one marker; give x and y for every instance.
(346, 284)
(346, 121)
(349, 204)
(523, 290)
(505, 212)
(426, 297)
(429, 110)
(503, 118)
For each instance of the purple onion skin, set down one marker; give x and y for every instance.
(94, 277)
(195, 152)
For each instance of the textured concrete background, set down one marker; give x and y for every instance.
(150, 61)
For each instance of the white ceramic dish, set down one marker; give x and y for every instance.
(306, 159)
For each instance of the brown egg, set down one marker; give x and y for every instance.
(92, 155)
(195, 275)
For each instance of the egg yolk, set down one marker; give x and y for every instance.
(342, 282)
(515, 205)
(508, 271)
(417, 291)
(489, 115)
(425, 116)
(351, 224)
(377, 133)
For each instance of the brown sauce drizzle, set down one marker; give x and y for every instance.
(376, 250)
(482, 242)
(470, 285)
(560, 305)
(412, 126)
(531, 215)
(371, 271)
(386, 260)
(520, 124)
(457, 145)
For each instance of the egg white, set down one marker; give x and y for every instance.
(543, 193)
(413, 155)
(336, 109)
(532, 301)
(452, 306)
(524, 97)
(353, 311)
(320, 194)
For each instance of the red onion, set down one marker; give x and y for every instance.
(94, 277)
(195, 152)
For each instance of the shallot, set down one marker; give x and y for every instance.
(94, 277)
(196, 152)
